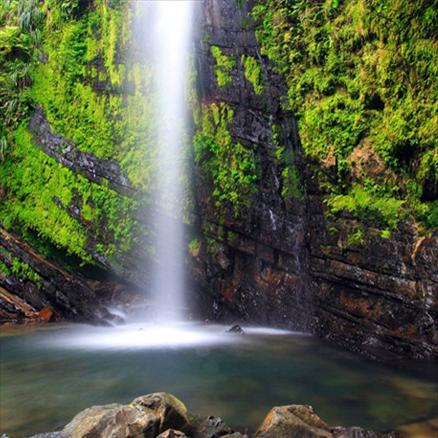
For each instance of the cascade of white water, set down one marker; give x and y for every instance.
(166, 34)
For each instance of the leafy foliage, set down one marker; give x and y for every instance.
(367, 204)
(80, 88)
(69, 60)
(42, 194)
(19, 38)
(224, 65)
(253, 73)
(231, 167)
(360, 69)
(12, 266)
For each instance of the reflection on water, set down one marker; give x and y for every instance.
(48, 375)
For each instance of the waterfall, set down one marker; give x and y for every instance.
(166, 33)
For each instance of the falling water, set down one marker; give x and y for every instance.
(166, 38)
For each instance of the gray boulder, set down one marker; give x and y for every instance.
(113, 421)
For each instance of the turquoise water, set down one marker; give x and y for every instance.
(50, 374)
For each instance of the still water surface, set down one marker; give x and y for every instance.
(50, 374)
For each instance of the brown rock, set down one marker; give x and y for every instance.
(45, 314)
(294, 421)
(366, 162)
(171, 412)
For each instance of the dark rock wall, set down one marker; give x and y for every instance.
(285, 263)
(37, 289)
(252, 266)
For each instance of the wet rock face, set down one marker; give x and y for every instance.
(250, 265)
(67, 153)
(41, 291)
(283, 262)
(375, 298)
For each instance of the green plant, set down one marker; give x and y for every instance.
(364, 204)
(253, 73)
(356, 238)
(223, 66)
(360, 70)
(385, 234)
(231, 167)
(24, 271)
(194, 246)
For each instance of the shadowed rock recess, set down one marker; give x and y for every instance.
(162, 415)
(276, 234)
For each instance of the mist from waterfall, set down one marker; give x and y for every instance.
(166, 39)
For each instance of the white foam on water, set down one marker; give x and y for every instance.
(155, 336)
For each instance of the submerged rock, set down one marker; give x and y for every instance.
(236, 329)
(420, 429)
(294, 421)
(358, 432)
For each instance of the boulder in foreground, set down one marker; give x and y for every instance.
(162, 415)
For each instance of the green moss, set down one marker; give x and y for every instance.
(253, 73)
(12, 266)
(335, 124)
(39, 195)
(368, 205)
(291, 186)
(19, 35)
(232, 237)
(359, 69)
(356, 238)
(230, 166)
(24, 271)
(223, 66)
(80, 88)
(194, 246)
(42, 195)
(385, 234)
(4, 269)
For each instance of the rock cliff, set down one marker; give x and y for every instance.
(307, 209)
(286, 261)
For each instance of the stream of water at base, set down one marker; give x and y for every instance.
(49, 374)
